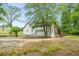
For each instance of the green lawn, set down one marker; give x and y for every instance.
(5, 33)
(72, 37)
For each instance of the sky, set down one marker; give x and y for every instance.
(21, 6)
(23, 17)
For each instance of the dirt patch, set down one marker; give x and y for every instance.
(40, 47)
(6, 43)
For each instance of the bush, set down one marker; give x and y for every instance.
(15, 30)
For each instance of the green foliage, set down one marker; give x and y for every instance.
(43, 15)
(12, 14)
(69, 19)
(2, 12)
(74, 18)
(65, 22)
(15, 30)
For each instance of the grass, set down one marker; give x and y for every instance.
(64, 47)
(52, 49)
(5, 33)
(72, 37)
(38, 48)
(44, 48)
(29, 51)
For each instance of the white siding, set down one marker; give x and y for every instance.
(28, 30)
(39, 31)
(52, 32)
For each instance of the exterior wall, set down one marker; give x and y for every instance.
(28, 30)
(39, 31)
(52, 32)
(35, 32)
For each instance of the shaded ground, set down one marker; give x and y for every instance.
(40, 46)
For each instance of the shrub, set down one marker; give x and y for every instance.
(15, 30)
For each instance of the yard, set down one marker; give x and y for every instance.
(6, 33)
(67, 46)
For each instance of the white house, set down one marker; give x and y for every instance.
(28, 30)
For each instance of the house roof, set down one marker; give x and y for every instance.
(24, 26)
(29, 19)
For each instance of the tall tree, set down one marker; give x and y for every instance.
(43, 15)
(75, 19)
(2, 11)
(65, 17)
(12, 14)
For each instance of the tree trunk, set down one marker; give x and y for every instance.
(45, 31)
(16, 34)
(10, 25)
(50, 30)
(60, 33)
